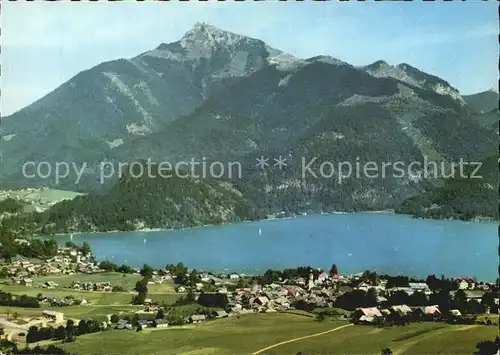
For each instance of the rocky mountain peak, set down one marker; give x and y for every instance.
(206, 38)
(415, 77)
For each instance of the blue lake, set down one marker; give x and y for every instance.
(385, 243)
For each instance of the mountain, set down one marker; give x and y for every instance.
(116, 102)
(483, 102)
(329, 110)
(486, 105)
(413, 76)
(471, 196)
(215, 96)
(150, 201)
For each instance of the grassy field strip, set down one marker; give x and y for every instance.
(301, 338)
(430, 334)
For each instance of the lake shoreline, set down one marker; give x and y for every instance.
(383, 242)
(272, 218)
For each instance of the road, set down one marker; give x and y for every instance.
(301, 338)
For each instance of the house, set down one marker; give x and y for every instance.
(234, 277)
(463, 285)
(263, 300)
(385, 312)
(199, 286)
(337, 277)
(50, 284)
(197, 318)
(366, 320)
(54, 270)
(455, 313)
(222, 314)
(181, 289)
(474, 295)
(122, 323)
(237, 308)
(160, 323)
(364, 286)
(83, 301)
(26, 282)
(401, 309)
(143, 323)
(381, 299)
(324, 276)
(53, 315)
(222, 290)
(420, 287)
(427, 312)
(371, 312)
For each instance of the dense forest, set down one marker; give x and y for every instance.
(151, 202)
(464, 198)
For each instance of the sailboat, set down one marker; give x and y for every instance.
(260, 232)
(71, 237)
(144, 240)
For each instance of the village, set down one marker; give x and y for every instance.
(197, 296)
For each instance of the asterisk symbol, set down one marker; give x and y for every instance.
(262, 162)
(280, 162)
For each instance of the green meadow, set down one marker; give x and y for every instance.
(257, 334)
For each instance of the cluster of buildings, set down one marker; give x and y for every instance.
(62, 302)
(322, 292)
(397, 314)
(68, 261)
(92, 286)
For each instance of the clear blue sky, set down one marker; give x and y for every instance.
(46, 43)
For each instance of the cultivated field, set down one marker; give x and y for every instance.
(256, 334)
(102, 303)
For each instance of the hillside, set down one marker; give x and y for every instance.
(483, 102)
(224, 97)
(460, 198)
(327, 110)
(137, 203)
(116, 102)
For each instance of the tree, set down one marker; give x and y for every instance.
(141, 286)
(60, 333)
(218, 300)
(386, 351)
(334, 270)
(160, 314)
(320, 317)
(83, 327)
(32, 336)
(488, 347)
(460, 300)
(371, 298)
(193, 276)
(70, 328)
(85, 248)
(125, 269)
(147, 271)
(114, 318)
(70, 244)
(108, 266)
(190, 297)
(181, 279)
